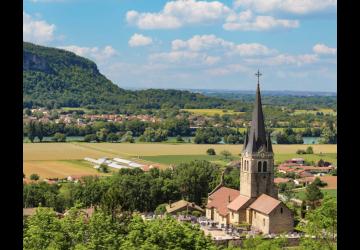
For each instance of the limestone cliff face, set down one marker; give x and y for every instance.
(52, 60)
(34, 62)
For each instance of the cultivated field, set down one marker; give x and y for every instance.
(64, 159)
(212, 112)
(59, 169)
(68, 151)
(325, 111)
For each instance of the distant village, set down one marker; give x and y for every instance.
(80, 118)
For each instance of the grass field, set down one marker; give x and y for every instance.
(79, 150)
(59, 169)
(71, 109)
(212, 112)
(303, 111)
(301, 194)
(63, 159)
(330, 157)
(177, 159)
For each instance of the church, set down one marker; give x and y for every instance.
(256, 203)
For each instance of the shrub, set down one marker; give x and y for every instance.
(300, 152)
(309, 150)
(211, 151)
(34, 177)
(179, 138)
(104, 168)
(196, 213)
(226, 154)
(59, 137)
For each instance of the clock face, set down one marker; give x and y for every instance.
(262, 154)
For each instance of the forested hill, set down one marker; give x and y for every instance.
(57, 78)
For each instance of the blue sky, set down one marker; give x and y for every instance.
(195, 44)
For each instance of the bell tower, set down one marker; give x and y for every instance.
(257, 157)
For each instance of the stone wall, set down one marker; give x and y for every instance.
(281, 222)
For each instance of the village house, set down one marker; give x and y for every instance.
(256, 203)
(183, 205)
(279, 180)
(288, 168)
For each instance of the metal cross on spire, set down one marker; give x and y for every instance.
(258, 74)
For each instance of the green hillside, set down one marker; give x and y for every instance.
(58, 78)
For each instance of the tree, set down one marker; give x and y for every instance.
(102, 134)
(112, 137)
(309, 150)
(165, 233)
(161, 209)
(225, 153)
(59, 137)
(319, 183)
(32, 131)
(328, 136)
(313, 194)
(211, 151)
(321, 223)
(179, 138)
(259, 243)
(300, 151)
(34, 177)
(196, 213)
(320, 163)
(43, 230)
(104, 168)
(128, 137)
(39, 130)
(91, 138)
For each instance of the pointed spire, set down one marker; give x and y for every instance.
(257, 136)
(269, 143)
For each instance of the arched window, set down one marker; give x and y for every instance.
(265, 166)
(281, 210)
(259, 166)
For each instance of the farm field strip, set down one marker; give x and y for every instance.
(69, 151)
(64, 159)
(59, 169)
(212, 112)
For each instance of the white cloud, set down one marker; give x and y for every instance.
(291, 6)
(176, 14)
(227, 69)
(200, 42)
(285, 59)
(259, 23)
(98, 54)
(139, 40)
(37, 31)
(323, 49)
(252, 49)
(211, 42)
(47, 1)
(184, 56)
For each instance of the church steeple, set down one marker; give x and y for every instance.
(257, 137)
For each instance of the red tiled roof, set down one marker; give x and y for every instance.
(220, 199)
(281, 180)
(238, 203)
(265, 204)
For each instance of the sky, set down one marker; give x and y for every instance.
(190, 44)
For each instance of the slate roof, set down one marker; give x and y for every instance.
(257, 139)
(265, 204)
